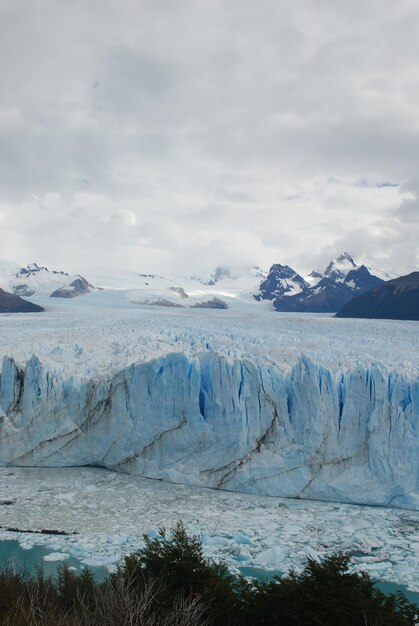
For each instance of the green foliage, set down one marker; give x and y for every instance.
(73, 589)
(169, 582)
(177, 561)
(324, 594)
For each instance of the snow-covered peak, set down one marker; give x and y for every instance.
(337, 269)
(281, 280)
(34, 279)
(7, 269)
(220, 273)
(340, 266)
(40, 270)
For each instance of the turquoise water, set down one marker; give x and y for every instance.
(13, 554)
(385, 586)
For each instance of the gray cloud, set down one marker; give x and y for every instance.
(168, 134)
(408, 212)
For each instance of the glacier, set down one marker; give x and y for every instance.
(216, 420)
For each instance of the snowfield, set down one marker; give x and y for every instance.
(100, 333)
(242, 399)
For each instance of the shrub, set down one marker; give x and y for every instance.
(177, 561)
(169, 582)
(324, 594)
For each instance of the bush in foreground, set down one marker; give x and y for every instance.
(169, 582)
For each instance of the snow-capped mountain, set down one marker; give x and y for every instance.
(324, 290)
(339, 268)
(37, 280)
(233, 287)
(331, 288)
(223, 273)
(78, 287)
(218, 274)
(281, 280)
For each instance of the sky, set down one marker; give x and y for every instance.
(178, 135)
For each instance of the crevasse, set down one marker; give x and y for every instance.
(224, 423)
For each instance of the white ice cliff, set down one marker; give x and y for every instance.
(217, 421)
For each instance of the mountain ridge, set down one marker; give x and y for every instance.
(396, 299)
(10, 303)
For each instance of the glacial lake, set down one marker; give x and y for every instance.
(11, 553)
(385, 586)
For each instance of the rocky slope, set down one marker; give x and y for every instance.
(281, 280)
(10, 303)
(327, 291)
(77, 287)
(396, 299)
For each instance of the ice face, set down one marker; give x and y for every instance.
(223, 422)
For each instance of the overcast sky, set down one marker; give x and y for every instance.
(177, 135)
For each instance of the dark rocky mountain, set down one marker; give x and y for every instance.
(23, 290)
(28, 277)
(78, 287)
(215, 303)
(341, 281)
(159, 302)
(180, 291)
(327, 291)
(10, 303)
(281, 280)
(396, 299)
(34, 268)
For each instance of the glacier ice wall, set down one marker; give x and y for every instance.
(226, 423)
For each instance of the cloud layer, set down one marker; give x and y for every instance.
(175, 134)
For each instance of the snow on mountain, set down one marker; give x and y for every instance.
(280, 281)
(77, 287)
(325, 291)
(148, 288)
(225, 275)
(34, 279)
(7, 270)
(377, 270)
(328, 290)
(218, 274)
(307, 407)
(338, 268)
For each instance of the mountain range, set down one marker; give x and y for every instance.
(324, 291)
(281, 288)
(38, 280)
